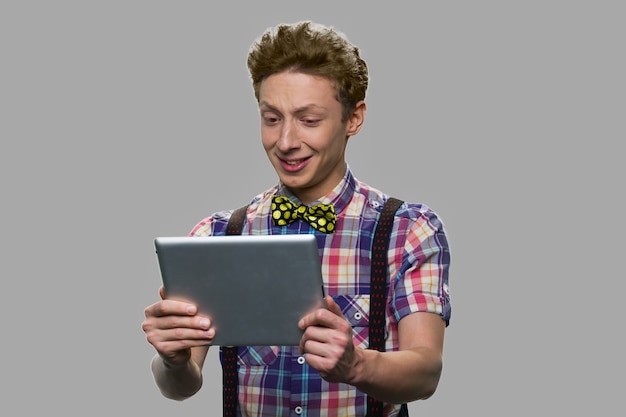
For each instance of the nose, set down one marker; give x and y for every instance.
(288, 139)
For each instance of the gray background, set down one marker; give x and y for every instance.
(125, 120)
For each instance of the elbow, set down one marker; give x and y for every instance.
(428, 392)
(178, 396)
(429, 385)
(425, 391)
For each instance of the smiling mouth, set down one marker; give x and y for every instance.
(295, 164)
(295, 161)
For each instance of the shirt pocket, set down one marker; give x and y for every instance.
(355, 309)
(258, 355)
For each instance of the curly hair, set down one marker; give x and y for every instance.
(312, 49)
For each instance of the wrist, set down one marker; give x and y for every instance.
(178, 361)
(361, 366)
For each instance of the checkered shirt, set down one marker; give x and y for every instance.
(275, 380)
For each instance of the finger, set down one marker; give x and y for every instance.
(159, 322)
(178, 332)
(314, 348)
(310, 343)
(325, 361)
(169, 343)
(331, 317)
(162, 293)
(170, 308)
(184, 322)
(182, 335)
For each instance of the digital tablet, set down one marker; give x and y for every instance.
(254, 289)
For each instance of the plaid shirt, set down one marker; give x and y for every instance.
(275, 380)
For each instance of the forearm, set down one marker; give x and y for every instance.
(176, 382)
(397, 377)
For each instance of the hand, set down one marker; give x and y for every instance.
(173, 327)
(327, 342)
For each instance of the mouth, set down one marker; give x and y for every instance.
(294, 165)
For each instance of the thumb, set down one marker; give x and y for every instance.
(333, 306)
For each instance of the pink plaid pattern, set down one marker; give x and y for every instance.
(275, 380)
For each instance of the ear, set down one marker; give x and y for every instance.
(356, 119)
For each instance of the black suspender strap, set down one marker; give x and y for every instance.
(378, 288)
(235, 223)
(378, 302)
(229, 353)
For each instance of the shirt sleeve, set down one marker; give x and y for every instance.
(421, 283)
(203, 228)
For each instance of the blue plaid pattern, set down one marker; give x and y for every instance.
(275, 380)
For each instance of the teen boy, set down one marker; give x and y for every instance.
(310, 84)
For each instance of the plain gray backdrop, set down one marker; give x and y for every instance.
(125, 120)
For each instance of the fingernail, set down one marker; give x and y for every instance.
(204, 323)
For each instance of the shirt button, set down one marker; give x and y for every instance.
(358, 316)
(301, 360)
(298, 410)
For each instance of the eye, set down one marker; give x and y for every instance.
(270, 119)
(311, 122)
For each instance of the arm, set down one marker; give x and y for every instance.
(412, 372)
(179, 381)
(181, 339)
(405, 375)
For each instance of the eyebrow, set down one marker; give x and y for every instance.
(302, 109)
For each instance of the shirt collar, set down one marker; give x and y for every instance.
(339, 197)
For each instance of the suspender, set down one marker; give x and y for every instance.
(378, 302)
(229, 353)
(378, 289)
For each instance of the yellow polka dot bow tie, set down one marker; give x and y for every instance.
(321, 217)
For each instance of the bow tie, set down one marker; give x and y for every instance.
(321, 217)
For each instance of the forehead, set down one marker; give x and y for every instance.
(297, 85)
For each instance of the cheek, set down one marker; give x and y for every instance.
(266, 139)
